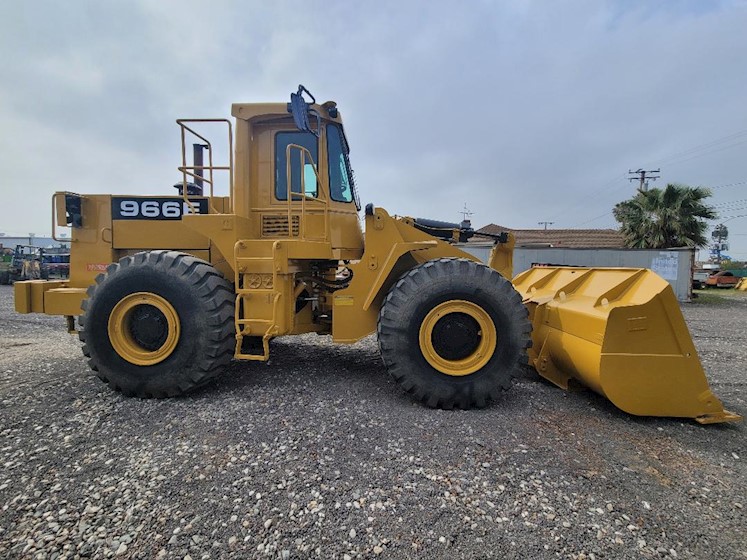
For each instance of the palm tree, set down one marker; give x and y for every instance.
(672, 217)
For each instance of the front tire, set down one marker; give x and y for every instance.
(453, 333)
(158, 324)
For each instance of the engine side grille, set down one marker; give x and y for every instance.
(277, 225)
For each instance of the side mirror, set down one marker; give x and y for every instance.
(309, 180)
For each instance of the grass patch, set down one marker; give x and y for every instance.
(717, 296)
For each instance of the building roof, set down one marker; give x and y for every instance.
(10, 242)
(572, 238)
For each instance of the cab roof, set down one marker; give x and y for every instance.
(250, 111)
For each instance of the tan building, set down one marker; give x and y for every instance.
(568, 238)
(588, 247)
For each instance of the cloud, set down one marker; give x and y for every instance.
(526, 111)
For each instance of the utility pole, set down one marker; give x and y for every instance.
(641, 176)
(545, 224)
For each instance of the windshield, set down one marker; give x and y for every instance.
(341, 177)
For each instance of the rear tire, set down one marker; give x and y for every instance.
(158, 324)
(453, 333)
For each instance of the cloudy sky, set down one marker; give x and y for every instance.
(525, 111)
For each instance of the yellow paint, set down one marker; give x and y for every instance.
(621, 333)
(141, 234)
(344, 301)
(29, 294)
(52, 297)
(92, 243)
(120, 335)
(253, 192)
(394, 247)
(502, 257)
(64, 301)
(471, 363)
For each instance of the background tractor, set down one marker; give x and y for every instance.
(169, 289)
(26, 262)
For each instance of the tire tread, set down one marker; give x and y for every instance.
(214, 299)
(440, 274)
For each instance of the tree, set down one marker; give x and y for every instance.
(671, 217)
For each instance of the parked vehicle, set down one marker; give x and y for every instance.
(57, 262)
(723, 279)
(27, 263)
(700, 276)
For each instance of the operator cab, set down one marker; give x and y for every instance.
(293, 176)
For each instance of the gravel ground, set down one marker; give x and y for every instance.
(320, 455)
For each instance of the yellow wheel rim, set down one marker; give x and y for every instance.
(476, 334)
(128, 344)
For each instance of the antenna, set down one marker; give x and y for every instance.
(466, 213)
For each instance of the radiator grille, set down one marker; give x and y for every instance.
(277, 225)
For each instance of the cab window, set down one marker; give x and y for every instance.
(339, 179)
(308, 141)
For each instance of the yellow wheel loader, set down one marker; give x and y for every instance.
(169, 289)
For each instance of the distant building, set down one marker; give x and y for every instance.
(564, 238)
(588, 247)
(10, 242)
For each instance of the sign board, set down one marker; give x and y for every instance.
(665, 265)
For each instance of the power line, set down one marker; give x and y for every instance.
(705, 146)
(717, 204)
(593, 219)
(688, 153)
(727, 185)
(732, 209)
(730, 202)
(592, 194)
(545, 224)
(677, 162)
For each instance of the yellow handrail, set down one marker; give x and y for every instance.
(190, 170)
(302, 195)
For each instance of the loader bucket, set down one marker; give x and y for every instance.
(619, 332)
